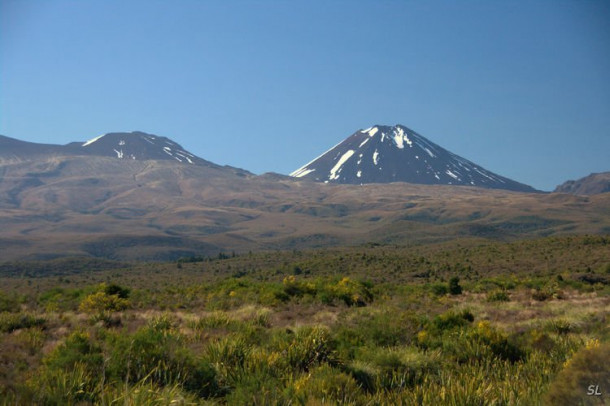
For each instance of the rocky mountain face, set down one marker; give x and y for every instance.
(384, 154)
(593, 184)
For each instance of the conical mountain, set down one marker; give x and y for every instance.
(384, 154)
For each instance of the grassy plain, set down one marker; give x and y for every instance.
(466, 322)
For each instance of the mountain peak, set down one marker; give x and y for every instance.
(383, 154)
(135, 145)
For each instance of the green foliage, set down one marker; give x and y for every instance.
(116, 290)
(587, 367)
(498, 342)
(147, 393)
(309, 347)
(350, 292)
(57, 387)
(78, 348)
(550, 290)
(388, 369)
(561, 327)
(239, 331)
(383, 328)
(498, 296)
(61, 299)
(439, 289)
(103, 302)
(9, 303)
(327, 384)
(14, 321)
(454, 286)
(257, 388)
(451, 320)
(292, 287)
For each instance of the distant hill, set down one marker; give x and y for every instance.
(384, 154)
(590, 185)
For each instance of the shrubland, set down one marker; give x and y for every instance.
(520, 323)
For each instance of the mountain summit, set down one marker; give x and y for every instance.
(138, 145)
(135, 145)
(383, 154)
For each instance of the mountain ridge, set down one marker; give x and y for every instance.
(595, 183)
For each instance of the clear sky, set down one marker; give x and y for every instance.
(519, 87)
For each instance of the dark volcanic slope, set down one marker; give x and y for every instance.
(139, 145)
(130, 146)
(11, 148)
(383, 154)
(590, 185)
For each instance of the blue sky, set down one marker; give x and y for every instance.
(521, 88)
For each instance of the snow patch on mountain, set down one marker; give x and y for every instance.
(92, 140)
(334, 173)
(301, 172)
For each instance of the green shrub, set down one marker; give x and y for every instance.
(383, 328)
(8, 303)
(561, 327)
(310, 346)
(57, 387)
(14, 321)
(231, 352)
(292, 287)
(257, 388)
(327, 385)
(102, 302)
(116, 290)
(350, 292)
(541, 341)
(78, 348)
(439, 289)
(498, 296)
(550, 290)
(499, 343)
(587, 370)
(385, 369)
(451, 320)
(60, 299)
(147, 393)
(165, 322)
(541, 295)
(157, 354)
(454, 286)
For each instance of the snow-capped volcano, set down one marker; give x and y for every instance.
(138, 145)
(135, 145)
(383, 154)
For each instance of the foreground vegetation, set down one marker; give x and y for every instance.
(464, 324)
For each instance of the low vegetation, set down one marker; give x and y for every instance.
(321, 327)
